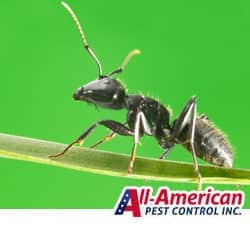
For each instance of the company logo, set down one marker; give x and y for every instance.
(140, 201)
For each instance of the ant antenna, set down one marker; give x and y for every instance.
(85, 43)
(126, 61)
(129, 56)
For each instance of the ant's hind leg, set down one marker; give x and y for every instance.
(191, 136)
(116, 127)
(183, 120)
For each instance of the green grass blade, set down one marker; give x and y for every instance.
(107, 163)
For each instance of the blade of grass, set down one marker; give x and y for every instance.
(107, 163)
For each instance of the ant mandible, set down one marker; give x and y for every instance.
(147, 116)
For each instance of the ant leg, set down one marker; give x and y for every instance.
(140, 120)
(125, 62)
(105, 139)
(116, 127)
(189, 110)
(166, 152)
(135, 142)
(78, 140)
(192, 133)
(183, 118)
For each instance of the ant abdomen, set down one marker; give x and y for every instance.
(210, 144)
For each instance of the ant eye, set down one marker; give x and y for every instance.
(89, 91)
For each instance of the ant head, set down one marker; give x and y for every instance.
(105, 92)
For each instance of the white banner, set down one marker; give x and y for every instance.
(101, 229)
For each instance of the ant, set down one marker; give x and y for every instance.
(147, 116)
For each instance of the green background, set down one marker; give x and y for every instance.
(188, 47)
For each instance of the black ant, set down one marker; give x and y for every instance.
(147, 116)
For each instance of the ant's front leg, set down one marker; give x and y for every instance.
(116, 127)
(188, 117)
(108, 137)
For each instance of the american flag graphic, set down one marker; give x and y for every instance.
(129, 195)
(123, 203)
